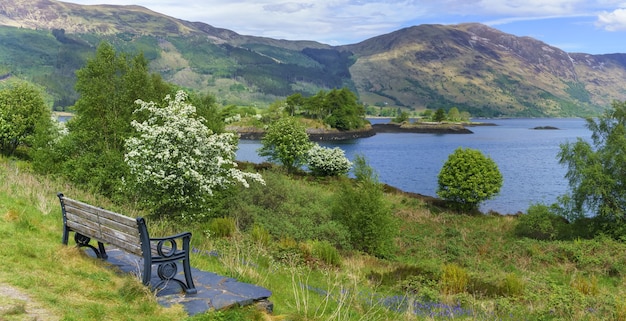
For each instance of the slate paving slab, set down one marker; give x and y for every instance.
(214, 291)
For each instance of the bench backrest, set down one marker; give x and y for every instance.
(103, 225)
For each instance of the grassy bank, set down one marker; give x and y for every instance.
(446, 266)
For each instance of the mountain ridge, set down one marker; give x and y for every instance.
(471, 66)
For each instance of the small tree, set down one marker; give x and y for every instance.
(597, 174)
(454, 114)
(440, 115)
(92, 153)
(401, 117)
(286, 142)
(176, 162)
(468, 178)
(22, 110)
(324, 161)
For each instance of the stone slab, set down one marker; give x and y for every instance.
(215, 292)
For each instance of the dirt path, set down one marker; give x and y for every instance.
(16, 305)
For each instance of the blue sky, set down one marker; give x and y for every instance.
(595, 27)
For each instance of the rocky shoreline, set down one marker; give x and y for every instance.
(318, 135)
(422, 128)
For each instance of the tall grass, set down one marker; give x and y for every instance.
(446, 266)
(68, 284)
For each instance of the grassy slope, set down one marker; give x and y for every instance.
(472, 266)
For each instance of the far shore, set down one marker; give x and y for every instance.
(62, 114)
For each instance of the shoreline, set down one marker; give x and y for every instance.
(251, 133)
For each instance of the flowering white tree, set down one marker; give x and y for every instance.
(324, 161)
(176, 162)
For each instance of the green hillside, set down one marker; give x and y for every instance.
(242, 75)
(470, 66)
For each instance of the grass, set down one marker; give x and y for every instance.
(65, 281)
(447, 266)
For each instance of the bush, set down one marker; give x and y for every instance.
(284, 206)
(468, 178)
(222, 227)
(454, 279)
(584, 285)
(362, 208)
(260, 235)
(324, 161)
(513, 285)
(540, 223)
(325, 252)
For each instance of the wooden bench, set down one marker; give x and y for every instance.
(128, 234)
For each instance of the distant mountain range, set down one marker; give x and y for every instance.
(470, 66)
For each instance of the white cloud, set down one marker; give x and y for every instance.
(287, 7)
(349, 21)
(612, 21)
(531, 18)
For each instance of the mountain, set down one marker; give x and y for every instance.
(469, 66)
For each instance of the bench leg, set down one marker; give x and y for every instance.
(147, 271)
(191, 288)
(66, 235)
(103, 252)
(83, 241)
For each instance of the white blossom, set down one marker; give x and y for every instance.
(176, 161)
(326, 161)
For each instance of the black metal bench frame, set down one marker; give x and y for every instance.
(131, 235)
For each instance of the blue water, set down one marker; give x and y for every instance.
(526, 158)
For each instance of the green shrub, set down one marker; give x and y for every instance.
(335, 233)
(424, 287)
(468, 178)
(513, 285)
(222, 226)
(540, 223)
(260, 235)
(23, 112)
(584, 285)
(289, 251)
(325, 252)
(362, 208)
(285, 206)
(454, 279)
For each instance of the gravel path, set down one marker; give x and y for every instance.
(16, 305)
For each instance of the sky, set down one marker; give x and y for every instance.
(587, 26)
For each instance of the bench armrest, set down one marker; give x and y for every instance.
(171, 237)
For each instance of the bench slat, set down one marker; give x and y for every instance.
(84, 229)
(120, 235)
(77, 214)
(83, 216)
(123, 241)
(133, 231)
(122, 219)
(131, 248)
